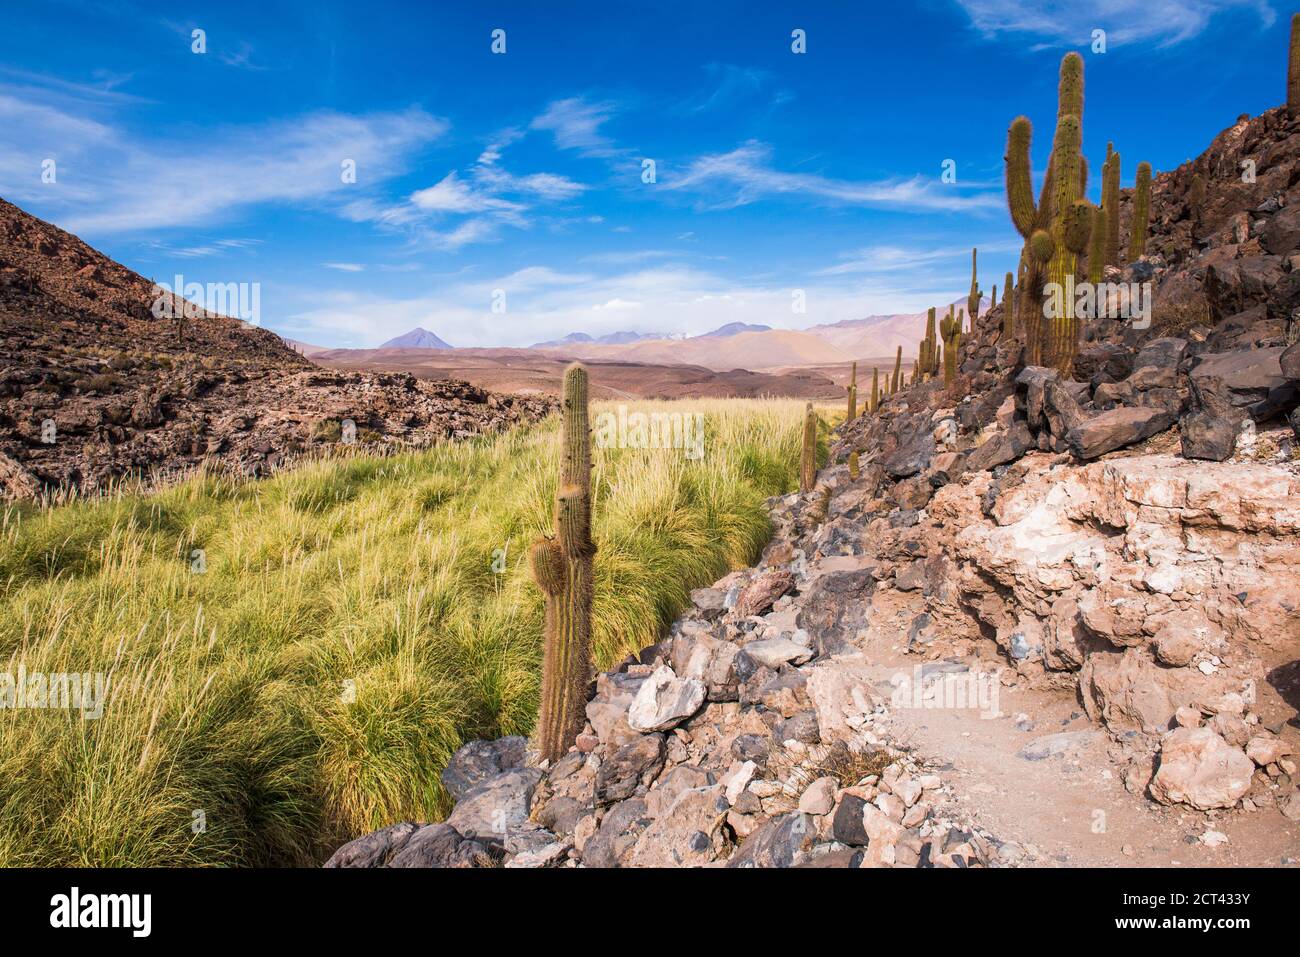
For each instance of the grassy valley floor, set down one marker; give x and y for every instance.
(291, 662)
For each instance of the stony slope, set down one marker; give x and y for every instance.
(1121, 548)
(128, 393)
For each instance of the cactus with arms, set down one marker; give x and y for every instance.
(950, 328)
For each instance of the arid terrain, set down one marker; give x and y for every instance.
(94, 387)
(1027, 615)
(531, 371)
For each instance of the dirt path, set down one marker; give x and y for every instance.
(1042, 775)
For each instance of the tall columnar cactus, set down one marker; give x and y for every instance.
(1097, 245)
(562, 566)
(855, 470)
(1137, 245)
(897, 380)
(875, 389)
(950, 328)
(1031, 220)
(974, 296)
(1110, 191)
(1065, 191)
(1293, 69)
(993, 298)
(808, 460)
(853, 393)
(1078, 225)
(1008, 307)
(1043, 225)
(928, 362)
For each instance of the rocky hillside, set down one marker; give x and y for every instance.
(1106, 567)
(93, 387)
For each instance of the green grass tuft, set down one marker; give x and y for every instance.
(348, 633)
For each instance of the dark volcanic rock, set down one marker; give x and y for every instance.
(1115, 429)
(1210, 430)
(634, 765)
(777, 843)
(759, 594)
(489, 809)
(373, 850)
(1002, 448)
(475, 762)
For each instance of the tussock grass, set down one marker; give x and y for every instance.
(348, 634)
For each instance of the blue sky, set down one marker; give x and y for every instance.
(521, 173)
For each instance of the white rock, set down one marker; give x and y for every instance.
(1214, 838)
(819, 797)
(908, 789)
(664, 701)
(740, 780)
(774, 652)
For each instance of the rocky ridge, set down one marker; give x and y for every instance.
(93, 387)
(1127, 539)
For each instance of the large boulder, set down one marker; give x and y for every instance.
(1001, 448)
(842, 693)
(1210, 430)
(489, 809)
(475, 762)
(835, 608)
(689, 835)
(1108, 431)
(779, 842)
(1199, 768)
(1248, 374)
(700, 656)
(373, 850)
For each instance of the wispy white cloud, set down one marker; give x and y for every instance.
(729, 83)
(453, 195)
(630, 256)
(1069, 23)
(872, 260)
(345, 267)
(111, 182)
(214, 248)
(575, 123)
(746, 174)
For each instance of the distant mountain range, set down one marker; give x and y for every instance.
(739, 345)
(417, 338)
(734, 329)
(736, 345)
(612, 339)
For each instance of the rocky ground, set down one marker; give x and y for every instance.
(93, 387)
(1053, 621)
